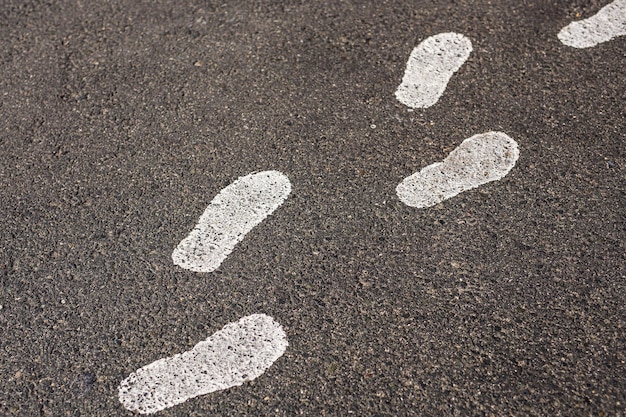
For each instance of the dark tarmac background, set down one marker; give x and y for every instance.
(121, 120)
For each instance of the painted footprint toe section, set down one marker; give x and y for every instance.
(430, 67)
(478, 160)
(608, 23)
(230, 216)
(239, 352)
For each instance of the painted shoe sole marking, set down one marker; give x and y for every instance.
(231, 215)
(430, 67)
(477, 160)
(239, 352)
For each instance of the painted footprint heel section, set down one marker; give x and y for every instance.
(430, 67)
(608, 23)
(477, 160)
(240, 352)
(231, 215)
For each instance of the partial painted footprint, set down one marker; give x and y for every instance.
(430, 67)
(478, 160)
(230, 216)
(240, 352)
(608, 23)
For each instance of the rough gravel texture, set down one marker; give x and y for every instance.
(120, 120)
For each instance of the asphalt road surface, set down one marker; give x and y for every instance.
(120, 121)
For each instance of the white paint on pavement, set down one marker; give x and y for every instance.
(605, 25)
(478, 160)
(230, 216)
(430, 68)
(240, 352)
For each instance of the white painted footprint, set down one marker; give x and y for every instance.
(478, 160)
(608, 23)
(430, 67)
(230, 216)
(239, 352)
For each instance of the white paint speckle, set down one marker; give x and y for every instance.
(230, 216)
(478, 160)
(608, 23)
(430, 67)
(239, 352)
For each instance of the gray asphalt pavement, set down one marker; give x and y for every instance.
(121, 120)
